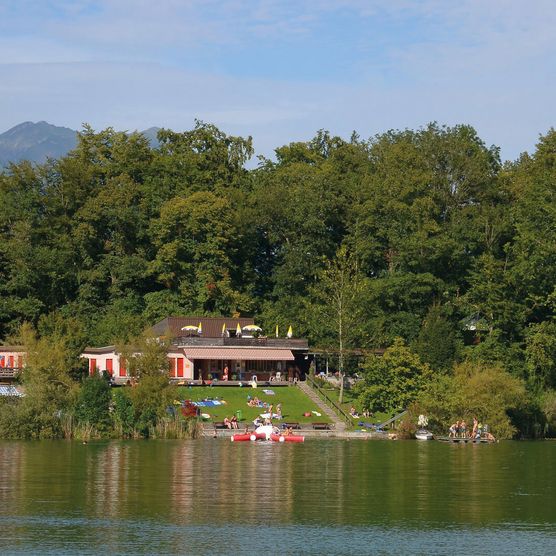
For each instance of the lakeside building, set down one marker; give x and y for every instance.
(201, 348)
(11, 361)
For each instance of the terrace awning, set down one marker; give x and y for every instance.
(239, 354)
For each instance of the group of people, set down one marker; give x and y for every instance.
(355, 414)
(255, 402)
(231, 423)
(460, 430)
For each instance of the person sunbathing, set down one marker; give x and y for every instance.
(233, 422)
(227, 423)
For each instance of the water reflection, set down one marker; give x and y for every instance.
(101, 493)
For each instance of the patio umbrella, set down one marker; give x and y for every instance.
(200, 328)
(238, 330)
(290, 332)
(190, 327)
(277, 331)
(223, 328)
(252, 328)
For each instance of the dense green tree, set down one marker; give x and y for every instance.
(393, 381)
(540, 353)
(93, 403)
(475, 390)
(45, 410)
(437, 343)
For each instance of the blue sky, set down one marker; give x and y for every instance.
(279, 70)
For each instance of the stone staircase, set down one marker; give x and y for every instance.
(339, 424)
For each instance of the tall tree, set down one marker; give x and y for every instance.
(335, 313)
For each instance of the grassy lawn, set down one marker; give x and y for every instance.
(350, 400)
(294, 402)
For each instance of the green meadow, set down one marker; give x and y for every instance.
(294, 402)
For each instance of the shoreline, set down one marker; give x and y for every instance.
(341, 435)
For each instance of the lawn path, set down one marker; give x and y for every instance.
(339, 425)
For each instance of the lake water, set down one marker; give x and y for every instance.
(323, 497)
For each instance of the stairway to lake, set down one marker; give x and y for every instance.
(339, 424)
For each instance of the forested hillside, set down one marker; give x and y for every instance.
(420, 234)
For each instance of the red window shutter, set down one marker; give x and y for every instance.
(20, 362)
(92, 366)
(172, 366)
(123, 371)
(180, 367)
(109, 367)
(11, 361)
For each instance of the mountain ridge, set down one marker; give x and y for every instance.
(38, 141)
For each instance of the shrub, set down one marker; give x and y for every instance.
(123, 413)
(486, 392)
(393, 381)
(93, 403)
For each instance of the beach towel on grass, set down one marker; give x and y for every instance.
(207, 403)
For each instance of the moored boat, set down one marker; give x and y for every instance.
(423, 434)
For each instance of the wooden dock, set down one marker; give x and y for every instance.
(460, 440)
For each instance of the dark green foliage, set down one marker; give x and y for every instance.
(540, 353)
(124, 414)
(393, 381)
(93, 403)
(437, 343)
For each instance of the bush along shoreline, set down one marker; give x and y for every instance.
(56, 405)
(96, 412)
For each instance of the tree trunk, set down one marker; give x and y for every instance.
(341, 366)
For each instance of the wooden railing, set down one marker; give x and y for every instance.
(293, 343)
(9, 372)
(332, 403)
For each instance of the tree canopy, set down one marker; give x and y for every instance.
(439, 232)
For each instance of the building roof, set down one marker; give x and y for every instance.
(238, 353)
(212, 326)
(15, 349)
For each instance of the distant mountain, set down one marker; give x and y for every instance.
(151, 134)
(38, 141)
(35, 142)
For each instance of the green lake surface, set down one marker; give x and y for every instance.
(211, 496)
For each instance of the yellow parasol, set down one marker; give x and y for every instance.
(290, 332)
(223, 328)
(200, 328)
(252, 328)
(277, 331)
(238, 330)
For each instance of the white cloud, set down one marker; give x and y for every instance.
(490, 64)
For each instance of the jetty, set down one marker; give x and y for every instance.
(462, 440)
